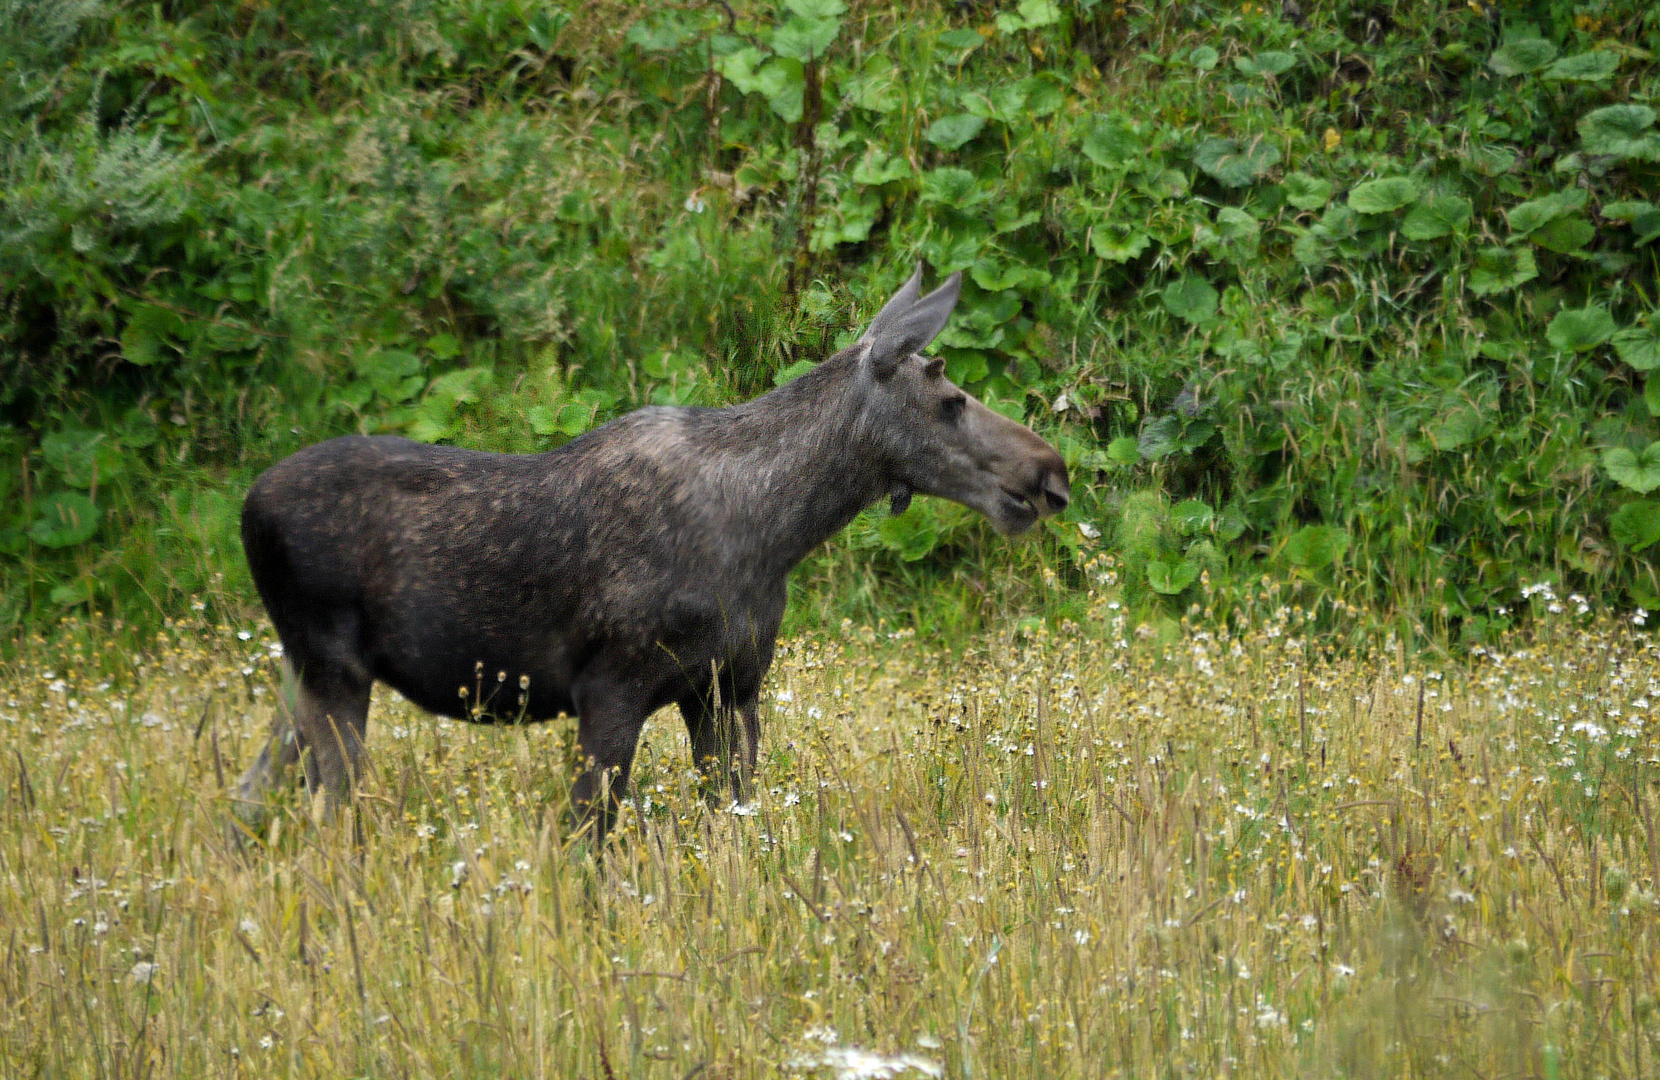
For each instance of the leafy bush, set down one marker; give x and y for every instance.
(1365, 298)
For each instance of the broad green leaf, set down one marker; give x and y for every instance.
(1523, 56)
(662, 34)
(444, 346)
(430, 427)
(1536, 213)
(747, 71)
(82, 458)
(1113, 143)
(1499, 269)
(1640, 346)
(1192, 516)
(394, 373)
(1312, 248)
(1037, 13)
(1314, 547)
(911, 536)
(1565, 235)
(951, 132)
(879, 167)
(1044, 94)
(1161, 184)
(1636, 525)
(1595, 66)
(1579, 329)
(805, 39)
(1030, 15)
(966, 367)
(1234, 224)
(1383, 196)
(1204, 58)
(1118, 243)
(1491, 160)
(1190, 297)
(961, 39)
(1627, 210)
(544, 420)
(1618, 130)
(66, 519)
(1009, 217)
(1169, 578)
(1651, 394)
(1454, 430)
(848, 222)
(146, 339)
(461, 386)
(953, 250)
(954, 187)
(1234, 163)
(817, 9)
(1436, 216)
(790, 75)
(1125, 450)
(994, 276)
(1272, 62)
(1160, 438)
(1637, 473)
(75, 592)
(1306, 192)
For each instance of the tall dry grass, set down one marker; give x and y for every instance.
(1072, 852)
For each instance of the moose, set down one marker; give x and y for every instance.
(641, 564)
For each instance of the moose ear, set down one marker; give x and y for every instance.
(906, 325)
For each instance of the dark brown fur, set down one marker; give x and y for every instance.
(627, 570)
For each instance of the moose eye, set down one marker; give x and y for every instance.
(951, 409)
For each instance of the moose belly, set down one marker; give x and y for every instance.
(479, 679)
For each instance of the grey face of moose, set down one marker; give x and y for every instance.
(938, 439)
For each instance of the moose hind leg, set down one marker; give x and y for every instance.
(278, 754)
(331, 715)
(723, 749)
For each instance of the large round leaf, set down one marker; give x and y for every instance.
(1383, 196)
(1306, 192)
(1522, 56)
(1639, 473)
(1619, 130)
(1190, 297)
(1579, 329)
(1636, 525)
(1589, 67)
(951, 132)
(1234, 163)
(1314, 547)
(1435, 217)
(66, 519)
(1498, 269)
(1171, 578)
(1640, 346)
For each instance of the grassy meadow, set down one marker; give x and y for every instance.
(1098, 849)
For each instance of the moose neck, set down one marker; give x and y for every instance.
(804, 464)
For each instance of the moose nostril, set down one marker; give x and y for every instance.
(1056, 492)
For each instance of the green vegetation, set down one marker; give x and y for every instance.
(1071, 852)
(1360, 294)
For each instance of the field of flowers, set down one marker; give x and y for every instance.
(1058, 850)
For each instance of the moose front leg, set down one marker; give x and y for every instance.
(724, 748)
(608, 727)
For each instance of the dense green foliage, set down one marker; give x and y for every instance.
(1360, 293)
